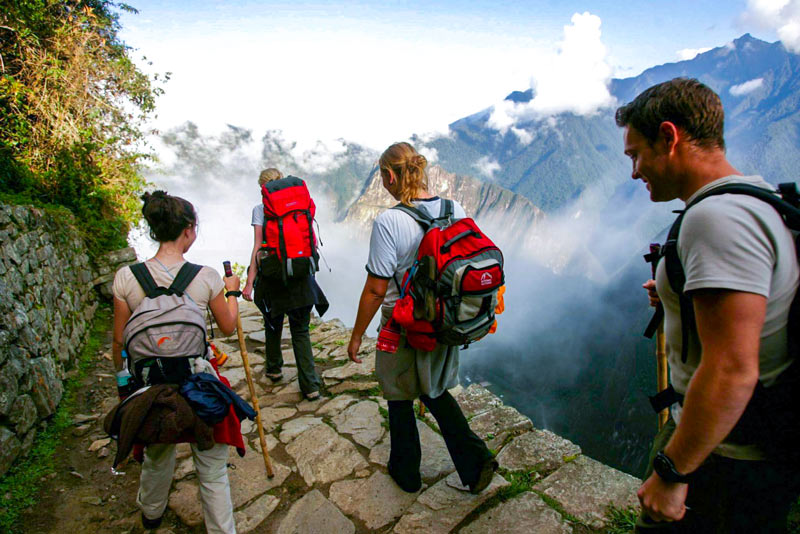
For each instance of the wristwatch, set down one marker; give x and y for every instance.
(236, 294)
(665, 467)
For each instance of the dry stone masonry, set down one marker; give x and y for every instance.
(47, 301)
(330, 460)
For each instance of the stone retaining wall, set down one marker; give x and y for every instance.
(47, 301)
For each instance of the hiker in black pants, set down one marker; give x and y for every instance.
(410, 373)
(726, 327)
(293, 297)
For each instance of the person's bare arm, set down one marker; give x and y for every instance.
(729, 325)
(225, 313)
(252, 268)
(371, 299)
(121, 315)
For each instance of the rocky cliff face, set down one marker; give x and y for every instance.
(487, 203)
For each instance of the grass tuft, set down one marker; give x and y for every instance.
(520, 482)
(620, 520)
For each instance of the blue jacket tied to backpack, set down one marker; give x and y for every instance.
(210, 399)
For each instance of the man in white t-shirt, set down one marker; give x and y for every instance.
(741, 275)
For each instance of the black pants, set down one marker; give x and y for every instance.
(729, 496)
(299, 319)
(467, 450)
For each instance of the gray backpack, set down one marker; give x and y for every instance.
(165, 330)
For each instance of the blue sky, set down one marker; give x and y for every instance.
(375, 72)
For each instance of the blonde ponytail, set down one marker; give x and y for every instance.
(408, 166)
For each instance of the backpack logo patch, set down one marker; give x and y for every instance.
(162, 340)
(486, 279)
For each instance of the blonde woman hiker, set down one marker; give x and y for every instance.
(278, 292)
(411, 373)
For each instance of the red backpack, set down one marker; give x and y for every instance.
(450, 293)
(289, 246)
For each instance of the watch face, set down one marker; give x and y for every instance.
(665, 469)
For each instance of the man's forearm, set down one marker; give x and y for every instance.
(715, 400)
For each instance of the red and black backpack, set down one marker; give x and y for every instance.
(450, 293)
(289, 246)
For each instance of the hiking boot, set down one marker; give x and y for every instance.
(151, 524)
(485, 476)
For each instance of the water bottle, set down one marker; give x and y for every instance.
(125, 384)
(389, 337)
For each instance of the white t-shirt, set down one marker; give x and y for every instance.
(257, 218)
(202, 289)
(738, 243)
(394, 241)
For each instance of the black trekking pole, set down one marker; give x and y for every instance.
(662, 369)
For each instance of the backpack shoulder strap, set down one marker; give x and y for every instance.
(184, 277)
(677, 280)
(447, 209)
(424, 220)
(789, 211)
(145, 279)
(674, 268)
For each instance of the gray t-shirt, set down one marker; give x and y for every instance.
(738, 243)
(394, 241)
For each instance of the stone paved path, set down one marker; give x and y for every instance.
(330, 461)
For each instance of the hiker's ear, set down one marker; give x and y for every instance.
(669, 134)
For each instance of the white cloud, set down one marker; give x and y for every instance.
(746, 87)
(430, 153)
(690, 53)
(782, 16)
(525, 137)
(574, 78)
(488, 166)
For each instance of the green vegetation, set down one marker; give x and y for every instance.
(620, 520)
(20, 486)
(72, 109)
(385, 414)
(555, 505)
(520, 482)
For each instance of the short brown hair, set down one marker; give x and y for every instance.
(685, 102)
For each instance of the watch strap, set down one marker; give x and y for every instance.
(236, 294)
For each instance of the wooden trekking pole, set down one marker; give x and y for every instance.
(248, 374)
(662, 370)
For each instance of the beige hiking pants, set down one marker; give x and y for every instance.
(211, 467)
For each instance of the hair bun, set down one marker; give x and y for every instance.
(418, 160)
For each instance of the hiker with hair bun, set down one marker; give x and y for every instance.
(173, 224)
(278, 295)
(410, 373)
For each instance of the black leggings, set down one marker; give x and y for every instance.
(468, 451)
